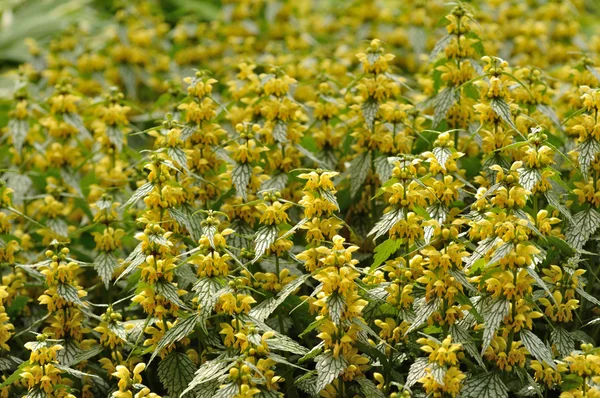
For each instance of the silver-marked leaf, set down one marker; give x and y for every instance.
(369, 110)
(438, 372)
(280, 131)
(69, 352)
(139, 193)
(181, 329)
(587, 296)
(443, 102)
(330, 197)
(276, 182)
(501, 252)
(310, 155)
(178, 156)
(240, 176)
(170, 292)
(308, 384)
(75, 120)
(18, 129)
(115, 136)
(529, 177)
(36, 393)
(493, 312)
(265, 236)
(536, 347)
(484, 385)
(423, 313)
(563, 341)
(442, 155)
(440, 46)
(336, 304)
(557, 203)
(358, 171)
(105, 265)
(58, 225)
(502, 109)
(383, 168)
(462, 279)
(329, 368)
(266, 308)
(585, 223)
(386, 222)
(587, 153)
(462, 336)
(69, 293)
(416, 372)
(549, 112)
(175, 372)
(194, 222)
(282, 342)
(592, 69)
(368, 388)
(187, 131)
(438, 212)
(483, 248)
(540, 282)
(209, 371)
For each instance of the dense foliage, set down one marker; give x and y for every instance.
(304, 198)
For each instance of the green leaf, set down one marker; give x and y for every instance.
(105, 265)
(493, 311)
(384, 250)
(536, 347)
(265, 236)
(175, 372)
(502, 109)
(16, 375)
(329, 368)
(484, 385)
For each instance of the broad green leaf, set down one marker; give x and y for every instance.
(384, 250)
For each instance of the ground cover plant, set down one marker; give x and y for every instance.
(303, 199)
